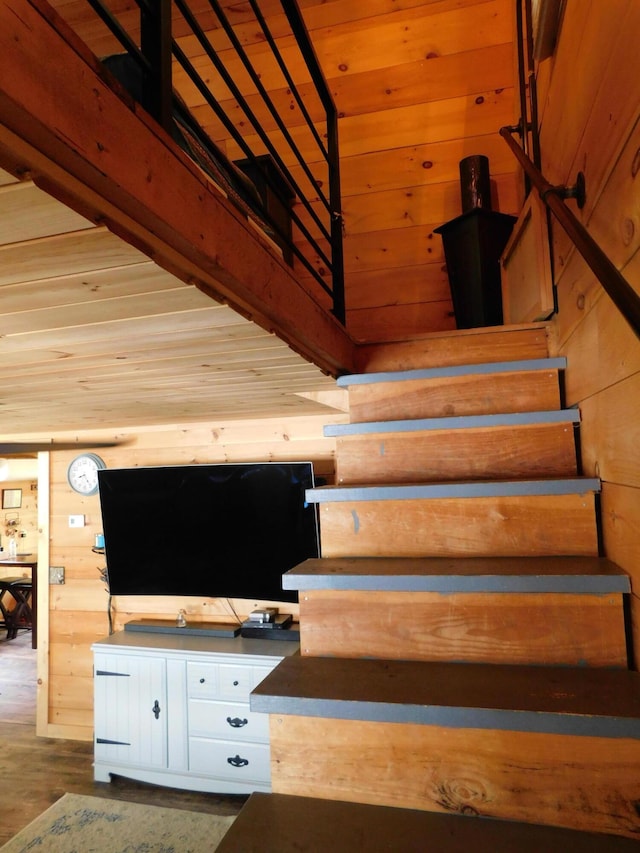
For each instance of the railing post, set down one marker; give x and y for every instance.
(155, 42)
(335, 201)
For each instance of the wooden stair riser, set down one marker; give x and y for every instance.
(481, 394)
(535, 525)
(535, 450)
(467, 346)
(524, 628)
(578, 782)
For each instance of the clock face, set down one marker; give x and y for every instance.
(82, 473)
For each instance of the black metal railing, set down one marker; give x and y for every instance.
(266, 132)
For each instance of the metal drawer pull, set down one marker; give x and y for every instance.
(236, 761)
(236, 722)
(202, 681)
(156, 709)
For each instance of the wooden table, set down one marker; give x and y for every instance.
(23, 562)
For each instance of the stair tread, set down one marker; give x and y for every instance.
(485, 368)
(467, 574)
(560, 416)
(287, 824)
(456, 489)
(552, 700)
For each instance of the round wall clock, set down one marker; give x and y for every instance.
(82, 473)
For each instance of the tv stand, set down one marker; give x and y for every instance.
(173, 709)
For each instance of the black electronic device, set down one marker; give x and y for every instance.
(289, 632)
(279, 622)
(222, 530)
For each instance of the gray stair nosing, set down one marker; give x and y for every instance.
(541, 722)
(560, 416)
(448, 584)
(468, 489)
(485, 368)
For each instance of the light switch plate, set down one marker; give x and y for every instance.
(76, 521)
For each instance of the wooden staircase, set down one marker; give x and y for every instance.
(463, 644)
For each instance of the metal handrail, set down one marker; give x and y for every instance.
(614, 283)
(153, 60)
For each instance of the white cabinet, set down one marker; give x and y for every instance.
(130, 702)
(174, 710)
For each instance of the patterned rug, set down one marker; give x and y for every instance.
(79, 824)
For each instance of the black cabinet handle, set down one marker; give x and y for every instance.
(235, 683)
(202, 681)
(236, 761)
(156, 709)
(236, 722)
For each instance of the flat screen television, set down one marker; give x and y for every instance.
(221, 530)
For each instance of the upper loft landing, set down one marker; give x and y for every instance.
(70, 133)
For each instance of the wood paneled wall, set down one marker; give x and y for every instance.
(418, 85)
(77, 610)
(591, 122)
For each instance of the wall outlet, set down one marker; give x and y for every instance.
(56, 574)
(76, 521)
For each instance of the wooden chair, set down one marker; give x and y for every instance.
(16, 615)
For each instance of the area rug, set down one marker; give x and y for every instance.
(79, 824)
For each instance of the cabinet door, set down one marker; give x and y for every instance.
(130, 710)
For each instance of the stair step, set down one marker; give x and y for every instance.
(468, 489)
(557, 746)
(471, 389)
(523, 444)
(586, 575)
(462, 346)
(570, 700)
(477, 519)
(512, 419)
(285, 823)
(451, 371)
(562, 611)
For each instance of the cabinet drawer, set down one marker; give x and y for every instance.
(227, 720)
(202, 680)
(240, 762)
(224, 681)
(237, 682)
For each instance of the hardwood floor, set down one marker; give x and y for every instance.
(35, 772)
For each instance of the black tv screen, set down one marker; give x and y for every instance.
(224, 530)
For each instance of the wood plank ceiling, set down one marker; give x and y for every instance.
(94, 334)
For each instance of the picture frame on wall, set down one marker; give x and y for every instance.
(11, 498)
